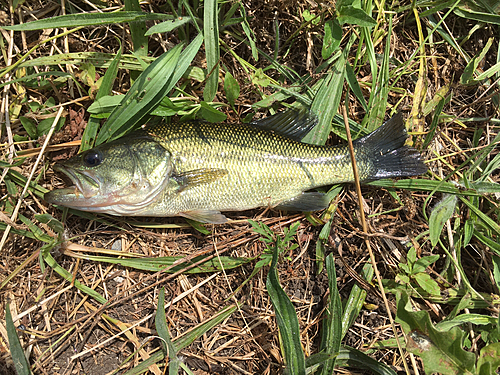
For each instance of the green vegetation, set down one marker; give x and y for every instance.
(69, 280)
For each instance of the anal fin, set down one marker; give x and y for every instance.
(205, 216)
(310, 201)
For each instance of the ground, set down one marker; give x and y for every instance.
(66, 330)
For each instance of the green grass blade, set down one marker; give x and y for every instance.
(471, 68)
(184, 341)
(314, 361)
(98, 59)
(162, 329)
(187, 57)
(39, 234)
(434, 125)
(90, 131)
(496, 270)
(137, 31)
(355, 358)
(16, 350)
(249, 33)
(331, 333)
(488, 241)
(438, 186)
(31, 77)
(436, 7)
(478, 319)
(211, 35)
(106, 104)
(87, 19)
(355, 301)
(492, 224)
(155, 83)
(327, 100)
(372, 59)
(487, 187)
(488, 73)
(89, 134)
(47, 257)
(286, 71)
(445, 35)
(477, 16)
(161, 263)
(20, 232)
(203, 328)
(168, 26)
(287, 320)
(354, 86)
(144, 95)
(479, 159)
(378, 105)
(20, 180)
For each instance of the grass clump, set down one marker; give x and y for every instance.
(78, 291)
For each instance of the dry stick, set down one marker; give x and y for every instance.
(9, 68)
(20, 201)
(367, 242)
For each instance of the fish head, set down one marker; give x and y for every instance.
(120, 178)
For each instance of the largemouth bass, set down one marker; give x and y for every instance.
(198, 169)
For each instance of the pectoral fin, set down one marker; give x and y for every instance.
(205, 216)
(195, 177)
(312, 201)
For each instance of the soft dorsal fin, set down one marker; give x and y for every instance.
(292, 123)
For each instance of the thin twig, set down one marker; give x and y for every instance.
(367, 242)
(33, 170)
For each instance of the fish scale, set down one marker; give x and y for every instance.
(263, 168)
(197, 169)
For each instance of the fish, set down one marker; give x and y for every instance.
(198, 170)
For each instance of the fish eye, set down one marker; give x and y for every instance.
(92, 158)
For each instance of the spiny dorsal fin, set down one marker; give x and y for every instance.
(292, 123)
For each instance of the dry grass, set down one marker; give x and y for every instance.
(67, 332)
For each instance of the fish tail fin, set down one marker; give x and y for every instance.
(389, 156)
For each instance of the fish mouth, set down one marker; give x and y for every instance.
(84, 187)
(83, 183)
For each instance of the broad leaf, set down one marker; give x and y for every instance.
(441, 351)
(440, 214)
(355, 16)
(489, 359)
(232, 88)
(332, 38)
